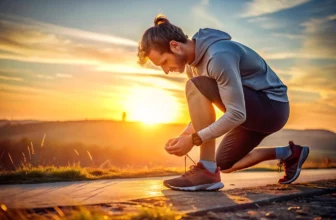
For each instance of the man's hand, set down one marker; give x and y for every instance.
(179, 146)
(170, 141)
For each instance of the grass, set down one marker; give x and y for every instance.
(162, 213)
(92, 213)
(28, 172)
(40, 174)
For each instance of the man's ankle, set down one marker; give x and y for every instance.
(211, 166)
(283, 153)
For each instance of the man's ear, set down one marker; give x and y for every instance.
(174, 46)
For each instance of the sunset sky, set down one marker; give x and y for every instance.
(72, 60)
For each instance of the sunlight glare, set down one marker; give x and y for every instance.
(151, 106)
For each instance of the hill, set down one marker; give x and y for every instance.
(119, 134)
(15, 122)
(130, 143)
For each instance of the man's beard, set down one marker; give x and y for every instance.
(181, 61)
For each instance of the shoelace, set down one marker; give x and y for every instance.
(192, 169)
(280, 165)
(185, 162)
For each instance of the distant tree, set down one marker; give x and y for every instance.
(123, 116)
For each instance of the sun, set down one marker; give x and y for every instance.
(151, 106)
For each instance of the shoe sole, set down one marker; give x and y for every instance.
(303, 156)
(204, 187)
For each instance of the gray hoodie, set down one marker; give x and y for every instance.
(233, 66)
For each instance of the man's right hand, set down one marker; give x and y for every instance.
(171, 142)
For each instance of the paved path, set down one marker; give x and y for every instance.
(118, 190)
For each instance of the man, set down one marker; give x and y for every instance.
(240, 83)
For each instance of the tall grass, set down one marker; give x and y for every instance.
(33, 174)
(31, 170)
(90, 213)
(10, 157)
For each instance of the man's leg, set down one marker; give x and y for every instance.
(259, 155)
(264, 117)
(254, 157)
(239, 140)
(236, 150)
(204, 90)
(202, 114)
(233, 152)
(205, 175)
(293, 156)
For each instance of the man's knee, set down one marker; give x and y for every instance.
(224, 165)
(190, 85)
(191, 89)
(223, 161)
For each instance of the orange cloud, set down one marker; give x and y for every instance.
(314, 78)
(320, 37)
(33, 41)
(71, 32)
(10, 78)
(261, 7)
(312, 93)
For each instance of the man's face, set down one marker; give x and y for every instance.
(169, 62)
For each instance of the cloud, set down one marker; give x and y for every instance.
(312, 94)
(297, 55)
(202, 12)
(72, 32)
(43, 76)
(303, 96)
(27, 40)
(14, 70)
(261, 7)
(173, 84)
(166, 83)
(312, 115)
(130, 68)
(330, 98)
(317, 39)
(25, 74)
(10, 78)
(320, 37)
(24, 90)
(177, 78)
(28, 43)
(316, 79)
(289, 36)
(266, 22)
(62, 75)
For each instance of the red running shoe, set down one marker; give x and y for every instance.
(196, 179)
(294, 163)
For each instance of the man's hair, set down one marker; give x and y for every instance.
(158, 38)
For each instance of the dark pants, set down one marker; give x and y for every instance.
(264, 116)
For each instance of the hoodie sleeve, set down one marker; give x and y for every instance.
(224, 68)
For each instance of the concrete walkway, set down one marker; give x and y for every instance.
(144, 189)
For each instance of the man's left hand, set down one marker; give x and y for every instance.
(180, 146)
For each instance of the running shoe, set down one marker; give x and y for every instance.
(294, 163)
(196, 179)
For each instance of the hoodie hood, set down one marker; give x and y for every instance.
(204, 39)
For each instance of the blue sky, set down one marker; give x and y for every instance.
(69, 60)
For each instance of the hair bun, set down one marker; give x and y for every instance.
(160, 19)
